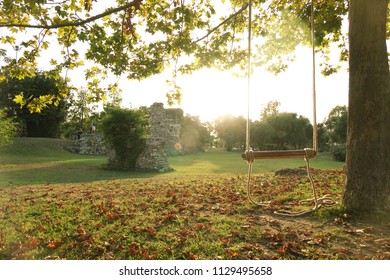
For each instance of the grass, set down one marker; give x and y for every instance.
(30, 161)
(63, 206)
(221, 162)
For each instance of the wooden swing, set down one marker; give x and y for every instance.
(307, 154)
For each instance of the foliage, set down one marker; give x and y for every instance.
(289, 130)
(193, 134)
(7, 128)
(44, 121)
(339, 152)
(322, 137)
(269, 110)
(261, 134)
(81, 114)
(231, 130)
(274, 131)
(281, 131)
(336, 124)
(333, 132)
(142, 38)
(125, 132)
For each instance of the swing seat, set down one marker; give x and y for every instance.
(278, 154)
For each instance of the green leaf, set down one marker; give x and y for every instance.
(19, 99)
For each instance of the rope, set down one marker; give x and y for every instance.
(313, 44)
(318, 202)
(249, 68)
(262, 203)
(249, 155)
(325, 200)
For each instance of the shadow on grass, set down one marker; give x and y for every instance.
(221, 162)
(82, 171)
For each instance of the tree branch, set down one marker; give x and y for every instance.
(76, 23)
(243, 8)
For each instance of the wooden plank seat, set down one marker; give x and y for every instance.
(279, 154)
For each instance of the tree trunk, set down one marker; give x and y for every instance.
(368, 143)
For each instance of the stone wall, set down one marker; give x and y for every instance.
(89, 144)
(164, 134)
(163, 138)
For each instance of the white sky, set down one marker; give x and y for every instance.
(210, 93)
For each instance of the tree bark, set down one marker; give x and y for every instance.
(368, 143)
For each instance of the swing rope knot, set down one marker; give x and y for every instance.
(249, 156)
(310, 153)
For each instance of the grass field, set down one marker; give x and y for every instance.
(31, 161)
(58, 205)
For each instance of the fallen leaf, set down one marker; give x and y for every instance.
(33, 242)
(111, 216)
(54, 244)
(343, 250)
(190, 256)
(80, 230)
(233, 254)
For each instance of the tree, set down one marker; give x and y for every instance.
(368, 150)
(78, 113)
(323, 137)
(335, 129)
(231, 130)
(290, 131)
(336, 125)
(46, 122)
(83, 113)
(261, 134)
(281, 131)
(193, 134)
(125, 131)
(270, 109)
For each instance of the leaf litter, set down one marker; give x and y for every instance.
(183, 218)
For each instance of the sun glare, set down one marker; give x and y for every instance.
(211, 94)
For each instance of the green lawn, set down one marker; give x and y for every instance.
(58, 205)
(222, 162)
(29, 161)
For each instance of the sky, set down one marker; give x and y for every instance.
(210, 93)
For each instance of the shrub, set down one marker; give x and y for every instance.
(7, 128)
(125, 131)
(339, 152)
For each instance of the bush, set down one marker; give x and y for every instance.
(7, 128)
(125, 131)
(339, 152)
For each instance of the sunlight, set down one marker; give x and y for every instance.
(212, 93)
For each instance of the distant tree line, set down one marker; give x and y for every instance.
(70, 116)
(284, 130)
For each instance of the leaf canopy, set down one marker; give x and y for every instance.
(141, 38)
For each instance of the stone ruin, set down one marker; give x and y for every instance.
(89, 144)
(164, 135)
(163, 138)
